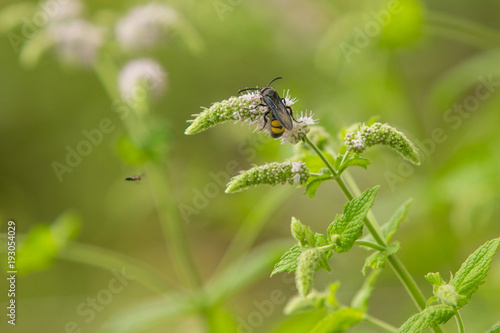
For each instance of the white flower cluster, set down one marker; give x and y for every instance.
(145, 26)
(140, 79)
(75, 40)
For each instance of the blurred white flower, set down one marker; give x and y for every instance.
(145, 26)
(140, 78)
(76, 41)
(58, 10)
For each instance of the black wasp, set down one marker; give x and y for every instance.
(281, 114)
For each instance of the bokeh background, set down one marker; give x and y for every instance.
(409, 72)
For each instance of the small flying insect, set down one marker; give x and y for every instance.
(281, 114)
(135, 178)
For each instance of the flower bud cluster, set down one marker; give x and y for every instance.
(384, 134)
(270, 174)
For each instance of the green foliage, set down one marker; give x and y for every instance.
(313, 185)
(44, 242)
(377, 260)
(348, 227)
(473, 271)
(339, 321)
(342, 162)
(288, 261)
(431, 316)
(360, 300)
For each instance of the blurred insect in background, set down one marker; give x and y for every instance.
(281, 114)
(135, 178)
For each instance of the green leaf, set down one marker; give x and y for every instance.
(390, 228)
(353, 161)
(313, 301)
(314, 184)
(321, 240)
(431, 316)
(435, 279)
(377, 259)
(360, 300)
(473, 271)
(494, 329)
(339, 321)
(288, 261)
(39, 249)
(349, 226)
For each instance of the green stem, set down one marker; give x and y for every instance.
(397, 266)
(460, 323)
(379, 323)
(172, 227)
(370, 245)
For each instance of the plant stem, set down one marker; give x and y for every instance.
(172, 227)
(397, 266)
(379, 323)
(370, 245)
(460, 323)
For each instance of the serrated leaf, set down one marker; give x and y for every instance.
(391, 227)
(377, 260)
(339, 321)
(288, 261)
(473, 271)
(360, 300)
(349, 225)
(354, 161)
(314, 184)
(431, 316)
(435, 279)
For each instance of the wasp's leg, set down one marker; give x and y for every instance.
(265, 119)
(290, 112)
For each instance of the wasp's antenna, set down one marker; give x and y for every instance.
(241, 90)
(276, 78)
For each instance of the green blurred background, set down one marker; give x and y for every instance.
(430, 57)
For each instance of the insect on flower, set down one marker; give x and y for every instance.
(281, 114)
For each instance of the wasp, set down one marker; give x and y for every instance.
(281, 114)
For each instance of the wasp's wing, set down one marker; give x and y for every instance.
(279, 111)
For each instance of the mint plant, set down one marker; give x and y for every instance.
(313, 250)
